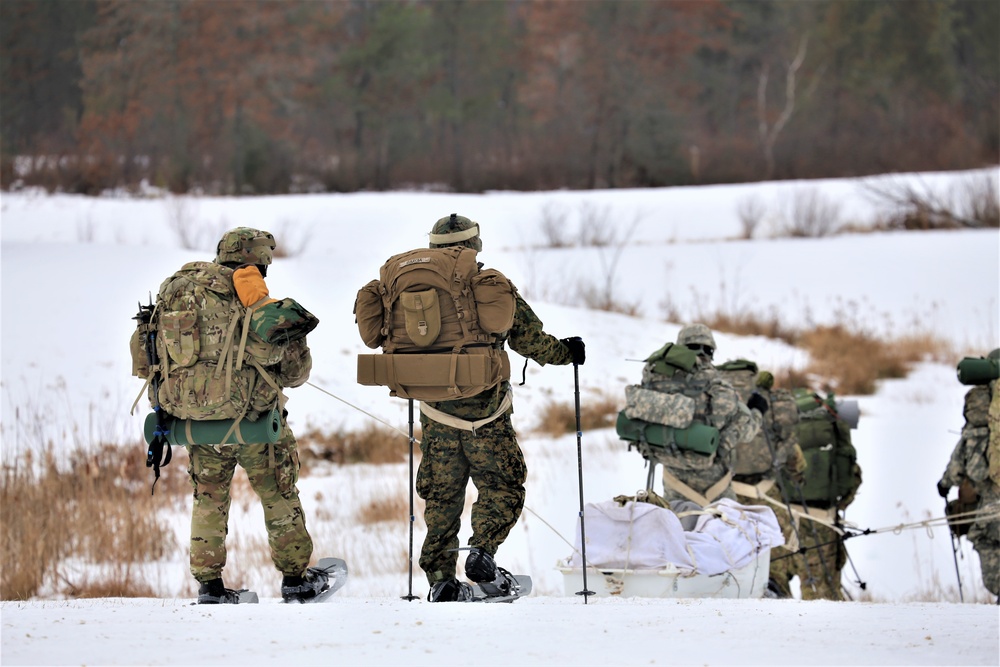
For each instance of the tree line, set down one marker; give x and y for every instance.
(265, 96)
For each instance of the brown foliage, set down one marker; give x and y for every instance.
(371, 444)
(94, 506)
(559, 418)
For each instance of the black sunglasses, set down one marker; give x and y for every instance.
(707, 350)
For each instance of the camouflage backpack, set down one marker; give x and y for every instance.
(832, 474)
(210, 366)
(439, 320)
(756, 458)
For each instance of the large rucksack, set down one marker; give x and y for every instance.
(439, 320)
(756, 458)
(667, 415)
(832, 474)
(211, 361)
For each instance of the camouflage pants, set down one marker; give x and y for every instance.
(211, 472)
(985, 538)
(818, 569)
(450, 457)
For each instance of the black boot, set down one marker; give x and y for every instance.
(480, 566)
(449, 590)
(301, 588)
(214, 592)
(482, 569)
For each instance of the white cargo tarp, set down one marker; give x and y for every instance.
(636, 536)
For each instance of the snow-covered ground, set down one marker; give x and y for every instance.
(73, 269)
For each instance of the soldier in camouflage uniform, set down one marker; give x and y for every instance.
(764, 463)
(452, 453)
(690, 475)
(271, 469)
(972, 463)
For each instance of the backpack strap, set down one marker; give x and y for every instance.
(463, 424)
(711, 494)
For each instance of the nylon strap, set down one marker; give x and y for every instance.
(463, 424)
(710, 495)
(455, 237)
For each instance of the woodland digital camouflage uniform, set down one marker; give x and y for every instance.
(970, 461)
(490, 456)
(716, 404)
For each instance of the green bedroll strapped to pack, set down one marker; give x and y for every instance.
(183, 432)
(699, 438)
(978, 370)
(440, 321)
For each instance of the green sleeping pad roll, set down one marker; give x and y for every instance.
(699, 438)
(183, 432)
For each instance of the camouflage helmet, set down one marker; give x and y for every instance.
(995, 354)
(245, 245)
(456, 230)
(697, 334)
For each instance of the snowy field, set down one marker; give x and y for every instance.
(73, 269)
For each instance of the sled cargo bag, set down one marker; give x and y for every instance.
(435, 377)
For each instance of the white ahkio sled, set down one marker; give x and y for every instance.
(638, 549)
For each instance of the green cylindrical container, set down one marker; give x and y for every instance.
(210, 432)
(976, 370)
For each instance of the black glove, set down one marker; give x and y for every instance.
(576, 348)
(757, 402)
(943, 489)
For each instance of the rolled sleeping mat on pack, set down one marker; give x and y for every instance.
(849, 411)
(183, 432)
(698, 437)
(977, 370)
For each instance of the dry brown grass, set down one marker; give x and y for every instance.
(843, 359)
(385, 509)
(371, 444)
(92, 506)
(559, 418)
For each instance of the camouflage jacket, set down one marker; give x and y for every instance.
(717, 404)
(970, 458)
(526, 337)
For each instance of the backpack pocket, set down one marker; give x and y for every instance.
(369, 313)
(137, 348)
(181, 337)
(423, 316)
(495, 301)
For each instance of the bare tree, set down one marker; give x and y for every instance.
(769, 133)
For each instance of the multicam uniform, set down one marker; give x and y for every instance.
(273, 471)
(489, 455)
(971, 461)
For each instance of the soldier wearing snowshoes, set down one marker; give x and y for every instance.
(974, 467)
(219, 363)
(437, 313)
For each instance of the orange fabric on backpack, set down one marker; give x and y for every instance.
(250, 286)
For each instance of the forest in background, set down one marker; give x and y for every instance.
(265, 96)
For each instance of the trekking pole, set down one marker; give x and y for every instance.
(410, 596)
(954, 553)
(579, 465)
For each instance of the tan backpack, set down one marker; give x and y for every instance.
(439, 320)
